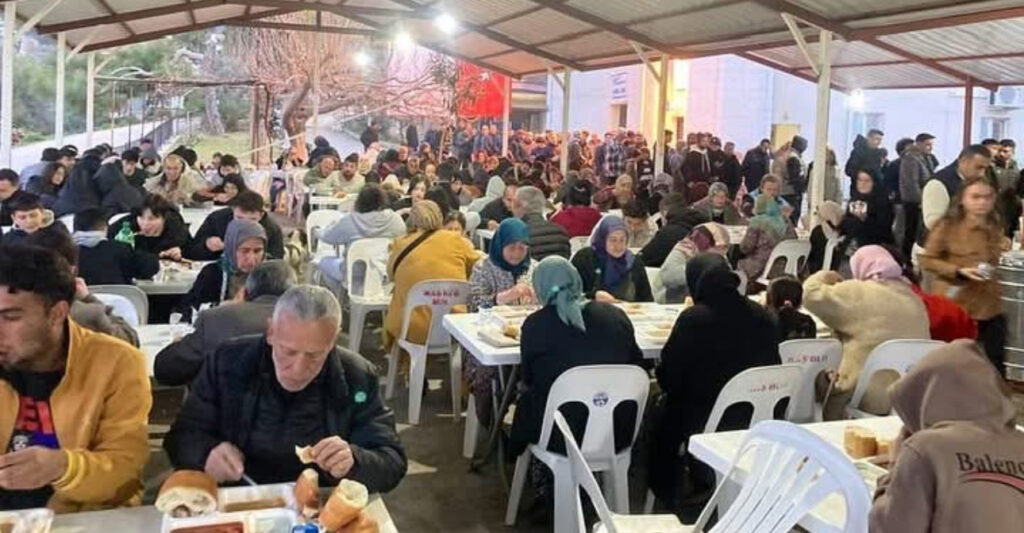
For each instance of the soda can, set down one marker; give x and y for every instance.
(305, 528)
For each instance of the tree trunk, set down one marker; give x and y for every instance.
(212, 123)
(293, 119)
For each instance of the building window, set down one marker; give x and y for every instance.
(995, 127)
(620, 114)
(861, 123)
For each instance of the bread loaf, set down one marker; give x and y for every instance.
(859, 442)
(307, 494)
(344, 505)
(188, 493)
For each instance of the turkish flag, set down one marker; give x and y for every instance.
(482, 92)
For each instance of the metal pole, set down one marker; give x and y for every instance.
(968, 111)
(505, 120)
(58, 105)
(660, 149)
(90, 96)
(317, 43)
(7, 83)
(131, 96)
(565, 123)
(821, 124)
(113, 103)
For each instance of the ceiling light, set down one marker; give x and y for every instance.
(404, 41)
(856, 99)
(446, 23)
(361, 58)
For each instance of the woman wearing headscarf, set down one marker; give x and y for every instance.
(495, 188)
(718, 207)
(609, 270)
(426, 253)
(245, 246)
(875, 306)
(869, 215)
(567, 332)
(968, 236)
(721, 335)
(616, 196)
(767, 228)
(501, 278)
(710, 238)
(829, 214)
(958, 463)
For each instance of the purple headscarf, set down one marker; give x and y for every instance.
(612, 269)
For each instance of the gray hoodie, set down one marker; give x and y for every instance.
(384, 224)
(915, 169)
(958, 465)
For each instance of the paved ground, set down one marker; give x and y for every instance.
(24, 155)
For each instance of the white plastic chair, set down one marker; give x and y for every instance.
(366, 293)
(600, 388)
(135, 295)
(68, 221)
(742, 289)
(316, 221)
(578, 243)
(793, 470)
(113, 220)
(814, 356)
(763, 387)
(472, 222)
(897, 355)
(794, 251)
(657, 289)
(830, 249)
(439, 296)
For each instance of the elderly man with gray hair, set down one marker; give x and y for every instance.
(258, 398)
(546, 237)
(179, 362)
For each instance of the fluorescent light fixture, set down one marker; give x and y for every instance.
(446, 23)
(856, 99)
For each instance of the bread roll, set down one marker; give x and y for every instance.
(511, 331)
(344, 505)
(307, 494)
(362, 524)
(188, 493)
(884, 447)
(305, 454)
(859, 442)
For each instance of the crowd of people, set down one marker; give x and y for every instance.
(913, 248)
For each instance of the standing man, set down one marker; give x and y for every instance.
(938, 192)
(1007, 172)
(697, 164)
(916, 169)
(866, 155)
(370, 135)
(73, 403)
(794, 177)
(756, 163)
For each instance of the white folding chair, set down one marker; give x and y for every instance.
(743, 281)
(438, 296)
(68, 221)
(315, 222)
(830, 249)
(135, 295)
(113, 220)
(897, 355)
(814, 356)
(657, 289)
(655, 221)
(578, 243)
(763, 387)
(601, 388)
(472, 222)
(793, 251)
(366, 292)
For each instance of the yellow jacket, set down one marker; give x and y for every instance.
(100, 410)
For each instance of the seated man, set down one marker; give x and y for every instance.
(257, 398)
(9, 192)
(546, 237)
(28, 216)
(208, 242)
(103, 261)
(179, 362)
(770, 185)
(74, 403)
(499, 209)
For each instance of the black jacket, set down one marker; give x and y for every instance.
(368, 137)
(412, 137)
(876, 228)
(5, 211)
(116, 194)
(679, 223)
(707, 347)
(175, 234)
(863, 157)
(237, 389)
(756, 164)
(550, 347)
(216, 225)
(115, 263)
(546, 237)
(588, 265)
(496, 211)
(79, 191)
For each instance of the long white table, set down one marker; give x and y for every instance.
(171, 280)
(149, 520)
(195, 216)
(717, 450)
(156, 337)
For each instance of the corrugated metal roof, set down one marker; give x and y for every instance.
(519, 37)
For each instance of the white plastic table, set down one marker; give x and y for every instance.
(156, 337)
(195, 216)
(149, 520)
(718, 449)
(171, 281)
(483, 237)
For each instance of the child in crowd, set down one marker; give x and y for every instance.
(28, 215)
(785, 296)
(102, 261)
(455, 221)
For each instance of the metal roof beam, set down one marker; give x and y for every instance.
(125, 16)
(618, 29)
(791, 71)
(31, 23)
(801, 43)
(808, 16)
(192, 13)
(305, 27)
(939, 22)
(339, 9)
(110, 10)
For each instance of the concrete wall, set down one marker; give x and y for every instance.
(591, 99)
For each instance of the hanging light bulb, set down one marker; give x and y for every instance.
(361, 58)
(404, 41)
(446, 23)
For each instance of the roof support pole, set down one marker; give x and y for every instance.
(58, 104)
(564, 158)
(661, 149)
(506, 109)
(317, 43)
(968, 111)
(821, 122)
(90, 96)
(801, 43)
(7, 83)
(647, 62)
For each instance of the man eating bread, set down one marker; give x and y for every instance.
(260, 400)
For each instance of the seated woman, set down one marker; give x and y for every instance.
(875, 306)
(784, 297)
(616, 196)
(157, 226)
(567, 332)
(830, 214)
(869, 214)
(577, 216)
(426, 253)
(48, 183)
(173, 182)
(244, 249)
(228, 189)
(710, 238)
(611, 272)
(718, 207)
(767, 228)
(416, 192)
(721, 335)
(501, 278)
